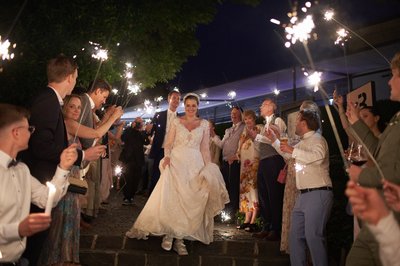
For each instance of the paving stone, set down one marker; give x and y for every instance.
(109, 242)
(90, 258)
(153, 244)
(85, 241)
(239, 248)
(131, 259)
(216, 261)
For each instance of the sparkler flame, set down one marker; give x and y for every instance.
(300, 31)
(232, 94)
(328, 16)
(342, 36)
(276, 92)
(4, 50)
(225, 216)
(314, 79)
(118, 170)
(133, 88)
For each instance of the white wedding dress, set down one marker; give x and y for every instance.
(189, 193)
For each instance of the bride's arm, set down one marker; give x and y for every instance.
(169, 141)
(205, 144)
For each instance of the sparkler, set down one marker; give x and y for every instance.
(4, 49)
(330, 16)
(232, 95)
(302, 31)
(276, 92)
(225, 216)
(342, 36)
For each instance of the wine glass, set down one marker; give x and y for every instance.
(358, 157)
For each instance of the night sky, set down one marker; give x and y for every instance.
(241, 42)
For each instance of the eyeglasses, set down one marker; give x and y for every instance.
(31, 129)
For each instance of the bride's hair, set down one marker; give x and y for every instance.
(192, 96)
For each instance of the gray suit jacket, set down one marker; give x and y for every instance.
(386, 150)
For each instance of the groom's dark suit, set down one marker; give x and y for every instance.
(157, 151)
(43, 155)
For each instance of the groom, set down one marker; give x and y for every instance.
(161, 126)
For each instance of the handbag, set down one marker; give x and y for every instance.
(77, 185)
(282, 175)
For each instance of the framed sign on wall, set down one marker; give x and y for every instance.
(363, 96)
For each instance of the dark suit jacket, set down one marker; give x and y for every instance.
(49, 139)
(133, 151)
(159, 126)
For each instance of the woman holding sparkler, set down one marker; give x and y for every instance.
(62, 244)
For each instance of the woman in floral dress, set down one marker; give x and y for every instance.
(249, 159)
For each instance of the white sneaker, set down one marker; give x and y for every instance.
(180, 248)
(166, 243)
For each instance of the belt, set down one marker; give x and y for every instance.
(302, 191)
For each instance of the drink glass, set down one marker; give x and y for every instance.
(284, 138)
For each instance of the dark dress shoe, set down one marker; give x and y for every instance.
(261, 235)
(251, 228)
(273, 236)
(243, 226)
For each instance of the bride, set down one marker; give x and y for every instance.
(191, 189)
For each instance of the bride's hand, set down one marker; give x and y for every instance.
(166, 162)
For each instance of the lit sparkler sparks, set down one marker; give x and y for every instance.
(225, 216)
(328, 16)
(133, 88)
(114, 91)
(203, 95)
(276, 92)
(148, 107)
(342, 36)
(4, 50)
(314, 79)
(232, 95)
(299, 31)
(99, 53)
(158, 99)
(118, 170)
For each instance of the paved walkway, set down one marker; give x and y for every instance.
(115, 219)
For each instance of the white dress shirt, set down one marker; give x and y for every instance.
(17, 190)
(387, 234)
(312, 161)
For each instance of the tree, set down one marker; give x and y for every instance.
(156, 36)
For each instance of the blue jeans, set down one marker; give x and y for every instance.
(309, 217)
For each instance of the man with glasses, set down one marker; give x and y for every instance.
(18, 188)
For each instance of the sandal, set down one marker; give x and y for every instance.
(243, 226)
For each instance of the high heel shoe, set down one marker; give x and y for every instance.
(243, 226)
(180, 248)
(166, 243)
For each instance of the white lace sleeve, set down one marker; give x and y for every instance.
(205, 142)
(169, 140)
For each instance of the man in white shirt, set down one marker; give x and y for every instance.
(270, 191)
(18, 188)
(313, 206)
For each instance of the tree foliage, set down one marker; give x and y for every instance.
(156, 36)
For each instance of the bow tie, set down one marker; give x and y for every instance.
(12, 163)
